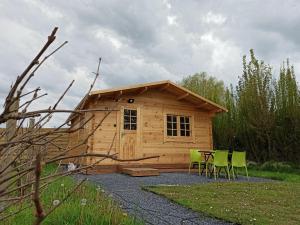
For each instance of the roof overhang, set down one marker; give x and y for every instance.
(179, 92)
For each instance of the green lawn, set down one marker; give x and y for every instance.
(274, 170)
(99, 209)
(275, 175)
(240, 202)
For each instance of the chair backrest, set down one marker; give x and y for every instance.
(195, 156)
(221, 158)
(238, 159)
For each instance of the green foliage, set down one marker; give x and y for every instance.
(214, 90)
(205, 85)
(99, 208)
(240, 202)
(263, 113)
(276, 166)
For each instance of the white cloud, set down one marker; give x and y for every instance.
(172, 20)
(50, 12)
(167, 4)
(211, 17)
(142, 41)
(109, 36)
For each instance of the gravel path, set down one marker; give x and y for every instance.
(152, 208)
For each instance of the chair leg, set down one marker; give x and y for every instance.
(228, 173)
(232, 172)
(215, 172)
(206, 169)
(247, 173)
(190, 167)
(199, 168)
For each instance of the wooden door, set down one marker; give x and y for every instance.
(129, 132)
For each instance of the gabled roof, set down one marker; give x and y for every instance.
(180, 92)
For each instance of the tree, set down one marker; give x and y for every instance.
(206, 86)
(263, 113)
(214, 90)
(22, 156)
(287, 103)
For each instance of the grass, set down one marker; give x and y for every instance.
(99, 208)
(275, 175)
(275, 170)
(243, 203)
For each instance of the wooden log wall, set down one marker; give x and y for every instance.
(151, 138)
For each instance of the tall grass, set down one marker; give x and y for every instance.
(89, 205)
(282, 171)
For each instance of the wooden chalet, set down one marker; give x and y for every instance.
(152, 119)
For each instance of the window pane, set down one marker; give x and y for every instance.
(169, 118)
(126, 126)
(187, 126)
(126, 112)
(174, 132)
(181, 119)
(130, 119)
(133, 126)
(184, 126)
(126, 119)
(133, 119)
(173, 126)
(187, 119)
(133, 112)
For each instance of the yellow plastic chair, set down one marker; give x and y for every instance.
(195, 157)
(221, 161)
(238, 160)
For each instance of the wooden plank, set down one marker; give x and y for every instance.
(118, 95)
(143, 90)
(141, 172)
(183, 96)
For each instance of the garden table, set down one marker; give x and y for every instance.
(207, 155)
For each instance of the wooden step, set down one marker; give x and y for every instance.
(140, 172)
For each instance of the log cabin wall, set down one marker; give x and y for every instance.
(150, 137)
(75, 140)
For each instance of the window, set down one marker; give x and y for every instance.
(185, 128)
(171, 125)
(129, 119)
(183, 123)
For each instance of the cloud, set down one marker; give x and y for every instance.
(210, 17)
(142, 41)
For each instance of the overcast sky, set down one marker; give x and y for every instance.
(143, 41)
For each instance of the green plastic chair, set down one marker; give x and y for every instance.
(195, 157)
(221, 160)
(238, 160)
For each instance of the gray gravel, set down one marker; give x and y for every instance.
(152, 208)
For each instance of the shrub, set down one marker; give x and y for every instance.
(277, 166)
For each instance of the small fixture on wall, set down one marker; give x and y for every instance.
(131, 100)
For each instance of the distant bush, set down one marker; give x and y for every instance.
(279, 166)
(252, 164)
